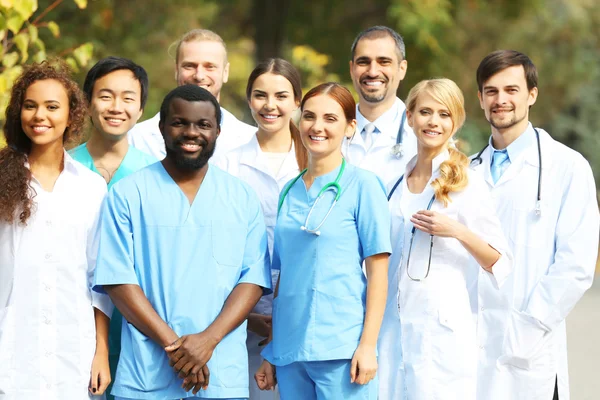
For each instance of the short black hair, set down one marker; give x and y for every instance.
(379, 31)
(112, 64)
(189, 93)
(500, 60)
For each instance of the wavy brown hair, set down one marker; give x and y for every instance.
(454, 171)
(16, 195)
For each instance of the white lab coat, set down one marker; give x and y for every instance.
(555, 256)
(248, 163)
(47, 327)
(146, 136)
(427, 345)
(378, 158)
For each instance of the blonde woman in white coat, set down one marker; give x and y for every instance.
(273, 157)
(446, 239)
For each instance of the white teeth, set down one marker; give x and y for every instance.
(40, 129)
(317, 138)
(374, 83)
(431, 133)
(116, 121)
(269, 116)
(190, 146)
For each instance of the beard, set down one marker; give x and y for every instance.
(189, 163)
(376, 96)
(506, 122)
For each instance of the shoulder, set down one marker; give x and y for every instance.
(232, 186)
(231, 122)
(563, 156)
(88, 182)
(143, 157)
(130, 184)
(366, 180)
(230, 159)
(77, 152)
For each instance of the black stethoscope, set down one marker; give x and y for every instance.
(538, 204)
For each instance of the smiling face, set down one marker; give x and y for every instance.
(432, 123)
(115, 106)
(203, 63)
(190, 131)
(323, 126)
(45, 112)
(505, 99)
(272, 102)
(377, 69)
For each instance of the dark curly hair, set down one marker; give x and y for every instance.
(16, 195)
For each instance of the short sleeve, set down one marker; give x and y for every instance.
(373, 217)
(478, 214)
(255, 267)
(115, 264)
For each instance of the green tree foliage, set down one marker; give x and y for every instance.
(22, 33)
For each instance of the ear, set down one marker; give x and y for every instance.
(480, 97)
(350, 129)
(402, 68)
(532, 98)
(409, 118)
(226, 73)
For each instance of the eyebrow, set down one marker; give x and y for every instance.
(378, 58)
(44, 102)
(263, 92)
(113, 92)
(331, 115)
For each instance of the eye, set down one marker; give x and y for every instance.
(308, 117)
(28, 106)
(176, 123)
(129, 99)
(105, 97)
(445, 115)
(259, 95)
(53, 107)
(385, 62)
(205, 125)
(424, 112)
(282, 96)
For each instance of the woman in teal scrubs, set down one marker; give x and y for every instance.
(332, 217)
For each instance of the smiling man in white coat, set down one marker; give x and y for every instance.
(546, 200)
(201, 60)
(383, 142)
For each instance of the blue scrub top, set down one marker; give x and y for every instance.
(133, 161)
(187, 259)
(320, 308)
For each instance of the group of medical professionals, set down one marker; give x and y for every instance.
(333, 251)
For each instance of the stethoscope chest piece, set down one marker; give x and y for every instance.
(397, 150)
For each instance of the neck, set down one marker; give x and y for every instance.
(48, 157)
(502, 138)
(424, 166)
(278, 142)
(99, 146)
(183, 175)
(372, 111)
(323, 165)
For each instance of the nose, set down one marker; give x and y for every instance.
(373, 69)
(116, 106)
(199, 74)
(502, 97)
(317, 125)
(269, 104)
(433, 119)
(40, 114)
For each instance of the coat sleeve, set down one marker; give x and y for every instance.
(576, 244)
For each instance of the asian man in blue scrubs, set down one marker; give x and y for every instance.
(183, 255)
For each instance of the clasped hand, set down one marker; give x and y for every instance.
(188, 356)
(436, 224)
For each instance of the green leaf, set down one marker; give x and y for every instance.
(83, 53)
(40, 45)
(26, 8)
(81, 3)
(33, 33)
(22, 42)
(39, 56)
(10, 60)
(54, 28)
(72, 63)
(15, 23)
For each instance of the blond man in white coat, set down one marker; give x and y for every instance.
(545, 197)
(201, 60)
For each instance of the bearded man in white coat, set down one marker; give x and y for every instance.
(201, 60)
(546, 200)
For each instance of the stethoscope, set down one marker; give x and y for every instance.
(538, 204)
(335, 185)
(412, 237)
(397, 149)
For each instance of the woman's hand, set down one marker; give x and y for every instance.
(364, 365)
(100, 375)
(437, 224)
(265, 376)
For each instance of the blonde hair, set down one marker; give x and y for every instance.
(197, 35)
(454, 171)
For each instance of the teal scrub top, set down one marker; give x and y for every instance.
(319, 311)
(133, 161)
(187, 259)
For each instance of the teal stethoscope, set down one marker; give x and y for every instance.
(538, 203)
(412, 236)
(335, 185)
